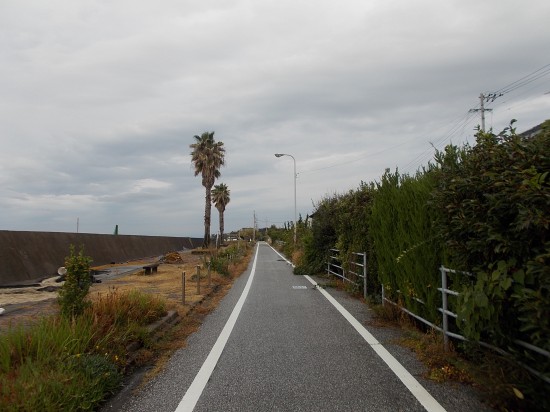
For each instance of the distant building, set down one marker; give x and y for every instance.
(532, 131)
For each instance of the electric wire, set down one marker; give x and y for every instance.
(525, 80)
(457, 128)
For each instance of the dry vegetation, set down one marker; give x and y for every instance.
(166, 284)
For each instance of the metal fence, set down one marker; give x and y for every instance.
(357, 268)
(446, 292)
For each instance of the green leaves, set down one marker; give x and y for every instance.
(72, 296)
(494, 216)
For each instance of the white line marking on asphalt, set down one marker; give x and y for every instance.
(420, 393)
(191, 397)
(423, 396)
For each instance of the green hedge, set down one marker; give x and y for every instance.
(406, 245)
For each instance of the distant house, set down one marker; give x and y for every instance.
(532, 131)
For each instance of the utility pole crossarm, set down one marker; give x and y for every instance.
(482, 109)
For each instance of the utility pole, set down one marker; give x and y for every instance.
(482, 99)
(254, 228)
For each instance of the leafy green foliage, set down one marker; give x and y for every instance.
(72, 296)
(353, 229)
(406, 243)
(319, 239)
(494, 215)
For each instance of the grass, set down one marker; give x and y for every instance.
(60, 364)
(176, 337)
(73, 364)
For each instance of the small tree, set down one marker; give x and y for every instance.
(72, 296)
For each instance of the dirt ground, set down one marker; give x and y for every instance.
(24, 305)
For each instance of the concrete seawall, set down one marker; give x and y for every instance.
(28, 256)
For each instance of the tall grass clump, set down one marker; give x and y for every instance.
(61, 363)
(221, 260)
(54, 365)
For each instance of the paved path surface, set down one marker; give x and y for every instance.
(283, 346)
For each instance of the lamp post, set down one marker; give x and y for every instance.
(284, 154)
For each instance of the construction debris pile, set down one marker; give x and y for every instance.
(172, 257)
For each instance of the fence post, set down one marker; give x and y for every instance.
(183, 288)
(444, 308)
(365, 275)
(383, 297)
(198, 280)
(209, 273)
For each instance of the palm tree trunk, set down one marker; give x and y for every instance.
(207, 213)
(221, 227)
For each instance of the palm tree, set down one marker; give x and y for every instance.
(208, 156)
(220, 197)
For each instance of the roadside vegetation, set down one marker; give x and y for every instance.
(77, 358)
(483, 209)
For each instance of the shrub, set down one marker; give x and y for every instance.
(494, 203)
(72, 296)
(405, 241)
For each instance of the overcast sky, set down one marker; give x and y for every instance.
(100, 100)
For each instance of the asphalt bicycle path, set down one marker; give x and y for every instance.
(278, 342)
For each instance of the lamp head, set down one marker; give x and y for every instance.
(278, 154)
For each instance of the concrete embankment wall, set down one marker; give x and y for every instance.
(27, 256)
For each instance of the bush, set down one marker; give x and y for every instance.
(494, 204)
(405, 241)
(72, 296)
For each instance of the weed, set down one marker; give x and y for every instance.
(62, 363)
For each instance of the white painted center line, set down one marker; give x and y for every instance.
(191, 397)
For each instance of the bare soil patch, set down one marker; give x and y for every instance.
(24, 305)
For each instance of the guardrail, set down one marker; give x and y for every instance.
(357, 264)
(446, 313)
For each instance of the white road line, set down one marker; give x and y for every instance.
(191, 397)
(423, 396)
(419, 392)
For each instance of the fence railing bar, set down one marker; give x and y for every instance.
(533, 348)
(447, 334)
(449, 291)
(448, 312)
(421, 319)
(413, 298)
(335, 263)
(459, 272)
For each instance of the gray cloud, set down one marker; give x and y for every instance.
(100, 101)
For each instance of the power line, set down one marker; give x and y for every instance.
(458, 126)
(525, 80)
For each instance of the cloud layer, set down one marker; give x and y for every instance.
(100, 101)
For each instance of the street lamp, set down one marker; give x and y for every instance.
(284, 154)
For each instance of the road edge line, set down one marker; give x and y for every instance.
(420, 393)
(193, 393)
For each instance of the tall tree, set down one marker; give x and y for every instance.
(220, 197)
(208, 156)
